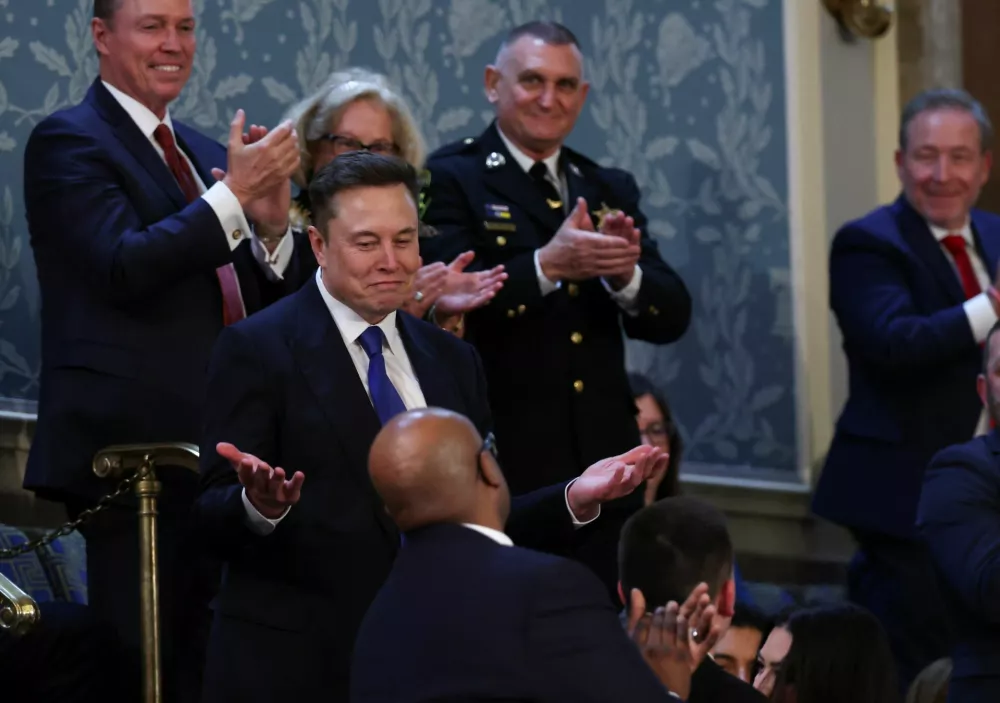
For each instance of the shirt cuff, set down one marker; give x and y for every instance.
(544, 284)
(274, 263)
(257, 523)
(627, 296)
(981, 316)
(230, 213)
(576, 522)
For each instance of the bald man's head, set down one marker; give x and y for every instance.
(427, 466)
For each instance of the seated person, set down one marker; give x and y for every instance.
(828, 653)
(464, 614)
(665, 550)
(736, 651)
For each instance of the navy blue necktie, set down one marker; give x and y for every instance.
(385, 398)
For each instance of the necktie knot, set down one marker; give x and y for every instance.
(955, 244)
(164, 137)
(371, 340)
(539, 171)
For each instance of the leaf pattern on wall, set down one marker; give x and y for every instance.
(687, 95)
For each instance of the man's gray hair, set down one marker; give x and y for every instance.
(945, 99)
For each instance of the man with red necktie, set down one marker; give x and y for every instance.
(142, 259)
(912, 285)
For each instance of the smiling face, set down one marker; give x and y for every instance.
(370, 252)
(538, 90)
(365, 120)
(943, 167)
(147, 50)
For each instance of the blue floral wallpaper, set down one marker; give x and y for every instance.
(689, 95)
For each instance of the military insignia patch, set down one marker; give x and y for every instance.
(498, 211)
(495, 160)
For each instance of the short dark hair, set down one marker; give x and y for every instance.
(839, 653)
(670, 485)
(751, 618)
(669, 547)
(986, 347)
(357, 169)
(549, 32)
(945, 99)
(106, 9)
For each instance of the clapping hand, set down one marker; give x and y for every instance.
(577, 252)
(618, 224)
(267, 488)
(464, 292)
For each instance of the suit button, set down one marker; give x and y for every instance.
(653, 310)
(573, 290)
(576, 338)
(521, 309)
(578, 386)
(511, 313)
(237, 233)
(501, 241)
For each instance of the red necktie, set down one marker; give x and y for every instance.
(956, 246)
(232, 302)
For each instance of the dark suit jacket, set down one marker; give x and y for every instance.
(130, 300)
(282, 386)
(711, 684)
(912, 360)
(535, 348)
(959, 519)
(463, 618)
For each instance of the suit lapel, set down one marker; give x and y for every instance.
(136, 142)
(993, 441)
(579, 187)
(918, 235)
(436, 383)
(202, 162)
(322, 356)
(988, 243)
(513, 184)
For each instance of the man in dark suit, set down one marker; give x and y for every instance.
(551, 339)
(466, 615)
(959, 519)
(911, 287)
(306, 384)
(141, 258)
(675, 549)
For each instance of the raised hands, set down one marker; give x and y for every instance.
(267, 488)
(613, 478)
(464, 292)
(577, 252)
(258, 172)
(674, 639)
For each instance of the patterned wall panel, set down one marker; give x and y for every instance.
(687, 94)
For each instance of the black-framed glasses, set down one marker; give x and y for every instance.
(654, 429)
(343, 144)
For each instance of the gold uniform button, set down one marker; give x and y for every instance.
(501, 241)
(237, 233)
(653, 310)
(576, 338)
(578, 386)
(511, 313)
(521, 309)
(573, 290)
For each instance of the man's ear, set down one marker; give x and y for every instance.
(981, 390)
(318, 245)
(490, 470)
(490, 79)
(99, 32)
(621, 594)
(725, 602)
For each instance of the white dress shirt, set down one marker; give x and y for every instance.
(222, 201)
(397, 368)
(626, 297)
(495, 535)
(979, 310)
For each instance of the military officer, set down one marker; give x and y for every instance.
(571, 238)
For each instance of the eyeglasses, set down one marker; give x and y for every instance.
(490, 445)
(655, 429)
(343, 144)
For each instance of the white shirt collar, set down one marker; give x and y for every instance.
(940, 234)
(526, 162)
(495, 535)
(351, 324)
(143, 117)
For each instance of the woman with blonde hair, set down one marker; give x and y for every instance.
(358, 109)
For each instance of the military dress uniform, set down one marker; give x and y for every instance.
(555, 362)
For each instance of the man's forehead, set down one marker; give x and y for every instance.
(532, 53)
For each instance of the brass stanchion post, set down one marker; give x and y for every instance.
(147, 490)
